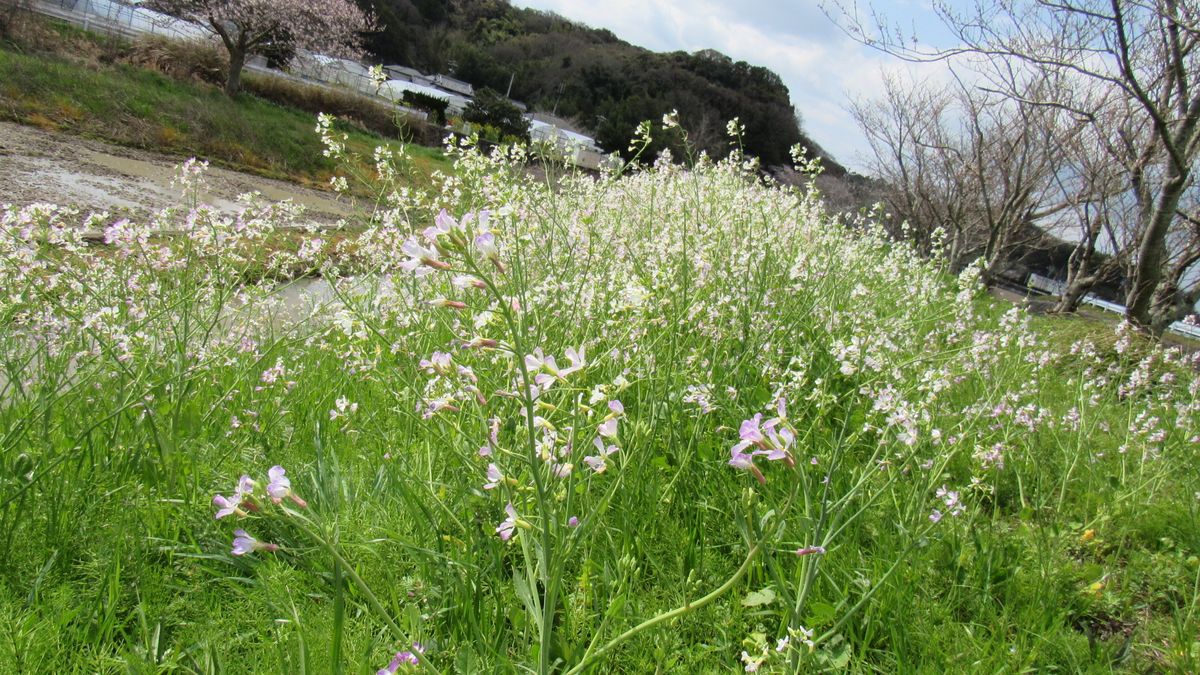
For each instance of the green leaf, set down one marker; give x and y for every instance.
(821, 613)
(759, 598)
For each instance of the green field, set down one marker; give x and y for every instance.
(669, 421)
(78, 85)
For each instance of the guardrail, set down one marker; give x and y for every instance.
(1048, 286)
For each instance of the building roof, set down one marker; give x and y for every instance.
(541, 129)
(394, 89)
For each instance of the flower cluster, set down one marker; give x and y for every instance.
(403, 661)
(953, 505)
(250, 496)
(772, 439)
(449, 385)
(451, 237)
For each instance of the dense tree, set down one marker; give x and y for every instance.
(493, 110)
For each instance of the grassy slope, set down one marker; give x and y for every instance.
(1073, 557)
(144, 109)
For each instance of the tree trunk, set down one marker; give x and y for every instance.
(1171, 302)
(996, 252)
(1079, 281)
(1069, 302)
(1152, 252)
(233, 81)
(956, 252)
(9, 10)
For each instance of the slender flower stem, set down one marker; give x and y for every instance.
(548, 577)
(870, 593)
(667, 616)
(372, 601)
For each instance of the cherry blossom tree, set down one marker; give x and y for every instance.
(248, 26)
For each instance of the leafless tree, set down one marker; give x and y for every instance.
(907, 132)
(975, 167)
(1145, 50)
(1179, 289)
(1093, 187)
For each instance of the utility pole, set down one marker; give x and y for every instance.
(561, 86)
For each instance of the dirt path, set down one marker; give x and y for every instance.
(44, 166)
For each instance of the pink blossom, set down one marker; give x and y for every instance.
(443, 302)
(402, 659)
(422, 260)
(437, 363)
(495, 477)
(280, 487)
(226, 507)
(750, 431)
(243, 543)
(608, 428)
(506, 528)
(741, 460)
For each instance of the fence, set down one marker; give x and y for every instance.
(113, 18)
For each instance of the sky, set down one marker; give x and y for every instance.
(822, 67)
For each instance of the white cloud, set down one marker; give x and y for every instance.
(820, 65)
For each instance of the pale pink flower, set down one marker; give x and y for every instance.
(226, 507)
(495, 477)
(243, 543)
(750, 431)
(280, 487)
(506, 528)
(422, 260)
(608, 428)
(742, 460)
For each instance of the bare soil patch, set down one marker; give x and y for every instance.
(48, 166)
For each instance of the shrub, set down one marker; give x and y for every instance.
(436, 107)
(179, 59)
(490, 109)
(366, 112)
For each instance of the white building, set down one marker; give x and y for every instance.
(575, 147)
(393, 90)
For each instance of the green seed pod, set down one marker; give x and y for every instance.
(22, 466)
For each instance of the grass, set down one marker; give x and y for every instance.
(939, 482)
(142, 108)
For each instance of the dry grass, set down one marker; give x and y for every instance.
(184, 60)
(367, 113)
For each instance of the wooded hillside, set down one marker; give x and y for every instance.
(590, 75)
